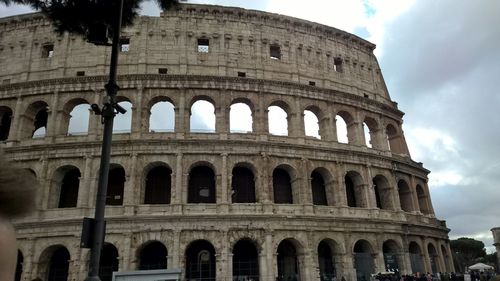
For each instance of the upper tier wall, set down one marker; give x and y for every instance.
(239, 41)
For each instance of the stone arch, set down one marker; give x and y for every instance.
(383, 193)
(108, 262)
(395, 139)
(123, 122)
(241, 116)
(312, 122)
(157, 183)
(363, 259)
(319, 186)
(202, 115)
(278, 117)
(53, 264)
(152, 255)
(392, 255)
(285, 186)
(201, 183)
(5, 122)
(65, 187)
(116, 185)
(446, 259)
(355, 190)
(75, 117)
(433, 258)
(344, 118)
(423, 200)
(200, 261)
(405, 196)
(34, 121)
(290, 255)
(245, 260)
(161, 116)
(243, 183)
(329, 259)
(417, 263)
(371, 134)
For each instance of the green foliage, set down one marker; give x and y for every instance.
(467, 251)
(77, 16)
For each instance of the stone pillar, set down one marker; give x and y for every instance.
(52, 115)
(305, 183)
(260, 123)
(340, 188)
(94, 120)
(413, 190)
(221, 259)
(224, 190)
(131, 189)
(305, 266)
(265, 181)
(176, 253)
(270, 257)
(126, 254)
(379, 262)
(427, 260)
(45, 185)
(16, 126)
(85, 183)
(180, 115)
(371, 199)
(349, 272)
(332, 123)
(429, 201)
(177, 197)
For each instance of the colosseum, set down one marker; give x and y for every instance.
(256, 146)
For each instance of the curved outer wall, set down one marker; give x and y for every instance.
(321, 69)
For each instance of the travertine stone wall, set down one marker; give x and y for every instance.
(240, 41)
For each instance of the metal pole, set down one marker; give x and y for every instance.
(108, 114)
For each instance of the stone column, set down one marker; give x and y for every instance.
(349, 272)
(45, 185)
(340, 187)
(260, 122)
(429, 201)
(427, 260)
(16, 126)
(305, 266)
(413, 190)
(265, 181)
(136, 128)
(270, 257)
(332, 123)
(177, 197)
(224, 196)
(305, 183)
(85, 183)
(371, 199)
(180, 115)
(127, 253)
(176, 253)
(131, 188)
(52, 115)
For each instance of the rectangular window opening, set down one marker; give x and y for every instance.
(162, 70)
(124, 45)
(275, 52)
(203, 45)
(312, 83)
(47, 51)
(337, 64)
(242, 74)
(80, 73)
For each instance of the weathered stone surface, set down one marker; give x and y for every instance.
(348, 83)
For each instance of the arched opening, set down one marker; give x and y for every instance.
(433, 258)
(243, 185)
(108, 262)
(277, 118)
(162, 117)
(446, 258)
(200, 261)
(394, 140)
(383, 194)
(201, 187)
(123, 122)
(326, 261)
(417, 263)
(341, 129)
(40, 123)
(240, 118)
(363, 260)
(422, 200)
(153, 256)
(116, 184)
(288, 261)
(59, 265)
(69, 187)
(5, 121)
(391, 260)
(202, 118)
(368, 138)
(282, 187)
(79, 120)
(355, 191)
(158, 186)
(405, 196)
(19, 266)
(245, 261)
(318, 189)
(311, 124)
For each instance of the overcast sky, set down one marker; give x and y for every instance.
(440, 60)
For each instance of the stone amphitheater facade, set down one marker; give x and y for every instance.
(220, 205)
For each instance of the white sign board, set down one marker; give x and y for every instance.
(148, 275)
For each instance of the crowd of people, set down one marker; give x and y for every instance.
(474, 276)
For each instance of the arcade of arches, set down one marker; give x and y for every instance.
(247, 259)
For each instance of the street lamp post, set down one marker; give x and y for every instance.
(108, 112)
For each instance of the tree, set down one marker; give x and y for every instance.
(467, 251)
(82, 16)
